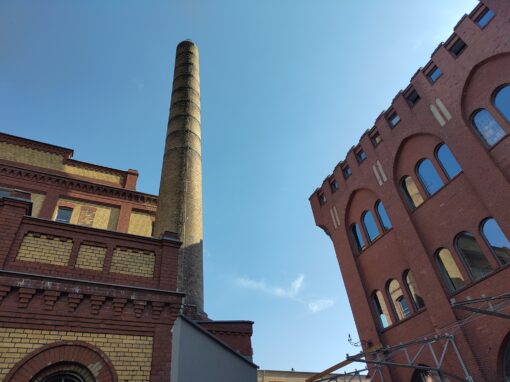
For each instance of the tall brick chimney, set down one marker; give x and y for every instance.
(180, 191)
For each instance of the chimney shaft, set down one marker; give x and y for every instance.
(180, 191)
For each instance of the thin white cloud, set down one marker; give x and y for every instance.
(320, 305)
(291, 292)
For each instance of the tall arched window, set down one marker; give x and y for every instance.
(502, 101)
(381, 309)
(383, 216)
(472, 254)
(447, 161)
(370, 226)
(398, 300)
(413, 290)
(451, 274)
(487, 127)
(429, 177)
(497, 240)
(411, 192)
(357, 237)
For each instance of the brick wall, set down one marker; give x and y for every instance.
(132, 262)
(45, 249)
(91, 257)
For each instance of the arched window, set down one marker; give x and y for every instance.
(487, 127)
(449, 270)
(64, 377)
(472, 254)
(370, 226)
(357, 237)
(399, 302)
(413, 290)
(506, 363)
(411, 192)
(447, 161)
(429, 177)
(502, 101)
(427, 376)
(381, 309)
(497, 240)
(383, 216)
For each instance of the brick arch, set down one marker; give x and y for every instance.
(482, 81)
(54, 357)
(410, 151)
(360, 200)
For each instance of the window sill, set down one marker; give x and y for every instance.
(501, 268)
(489, 149)
(371, 244)
(396, 324)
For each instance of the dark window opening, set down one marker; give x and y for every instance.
(375, 138)
(429, 177)
(487, 127)
(383, 216)
(472, 255)
(346, 170)
(393, 119)
(322, 198)
(450, 272)
(412, 98)
(458, 47)
(502, 101)
(370, 226)
(434, 74)
(333, 185)
(484, 18)
(361, 155)
(64, 214)
(447, 161)
(497, 240)
(358, 238)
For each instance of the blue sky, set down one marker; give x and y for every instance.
(288, 86)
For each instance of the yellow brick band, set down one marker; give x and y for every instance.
(91, 257)
(45, 249)
(131, 356)
(140, 223)
(133, 262)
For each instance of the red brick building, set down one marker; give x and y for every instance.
(86, 292)
(419, 215)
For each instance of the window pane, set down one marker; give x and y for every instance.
(434, 74)
(451, 272)
(429, 177)
(64, 214)
(502, 101)
(412, 193)
(448, 161)
(473, 256)
(382, 311)
(487, 127)
(358, 238)
(370, 226)
(383, 216)
(497, 240)
(484, 18)
(398, 300)
(413, 290)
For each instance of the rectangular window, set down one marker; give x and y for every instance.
(64, 214)
(412, 97)
(484, 18)
(434, 74)
(333, 185)
(322, 198)
(346, 170)
(361, 155)
(375, 138)
(393, 119)
(457, 47)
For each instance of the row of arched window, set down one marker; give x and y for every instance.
(428, 175)
(471, 256)
(400, 308)
(484, 123)
(370, 227)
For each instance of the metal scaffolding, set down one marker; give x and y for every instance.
(488, 306)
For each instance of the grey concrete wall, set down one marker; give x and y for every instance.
(197, 356)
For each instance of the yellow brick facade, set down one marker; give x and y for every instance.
(45, 249)
(131, 356)
(37, 202)
(91, 257)
(39, 158)
(133, 262)
(140, 223)
(90, 214)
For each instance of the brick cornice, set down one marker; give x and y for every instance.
(77, 184)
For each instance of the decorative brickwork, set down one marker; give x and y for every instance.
(131, 356)
(91, 257)
(90, 214)
(45, 249)
(133, 262)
